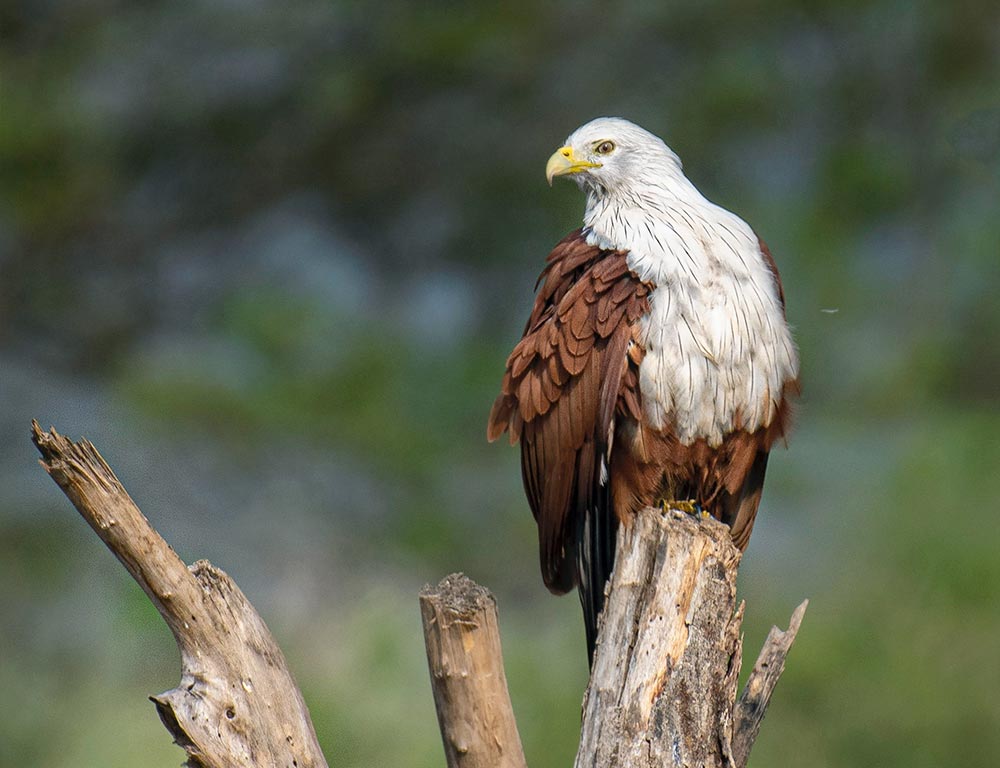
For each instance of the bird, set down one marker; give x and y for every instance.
(657, 366)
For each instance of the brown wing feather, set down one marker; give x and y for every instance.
(563, 382)
(745, 481)
(771, 265)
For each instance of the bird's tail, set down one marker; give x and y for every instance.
(596, 537)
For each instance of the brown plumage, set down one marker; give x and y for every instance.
(564, 382)
(572, 379)
(574, 371)
(707, 340)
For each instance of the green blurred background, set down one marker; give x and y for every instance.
(271, 257)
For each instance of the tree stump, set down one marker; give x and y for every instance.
(462, 635)
(663, 686)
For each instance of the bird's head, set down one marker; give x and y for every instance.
(610, 155)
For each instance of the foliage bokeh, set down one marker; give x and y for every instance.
(270, 257)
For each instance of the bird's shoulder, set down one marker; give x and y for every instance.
(578, 332)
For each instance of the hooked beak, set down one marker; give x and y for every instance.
(563, 162)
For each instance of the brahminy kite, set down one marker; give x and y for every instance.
(656, 366)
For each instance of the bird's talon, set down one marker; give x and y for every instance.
(688, 506)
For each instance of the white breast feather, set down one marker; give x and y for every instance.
(718, 349)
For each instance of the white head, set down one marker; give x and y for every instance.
(612, 158)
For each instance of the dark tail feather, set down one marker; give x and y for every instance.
(740, 511)
(596, 536)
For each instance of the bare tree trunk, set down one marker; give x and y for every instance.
(663, 686)
(237, 704)
(668, 656)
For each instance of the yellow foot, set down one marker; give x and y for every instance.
(688, 506)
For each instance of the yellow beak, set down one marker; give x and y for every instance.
(563, 162)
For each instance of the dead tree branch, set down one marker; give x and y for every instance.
(757, 692)
(462, 636)
(662, 690)
(237, 703)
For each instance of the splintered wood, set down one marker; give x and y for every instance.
(664, 681)
(237, 704)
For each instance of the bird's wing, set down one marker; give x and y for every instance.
(765, 252)
(562, 387)
(742, 498)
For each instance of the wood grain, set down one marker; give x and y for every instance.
(462, 636)
(663, 686)
(237, 704)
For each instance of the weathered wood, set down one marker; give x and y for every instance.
(663, 685)
(661, 681)
(237, 703)
(462, 636)
(662, 690)
(756, 695)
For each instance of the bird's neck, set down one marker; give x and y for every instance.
(664, 225)
(643, 199)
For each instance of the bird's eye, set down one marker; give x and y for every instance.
(605, 148)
